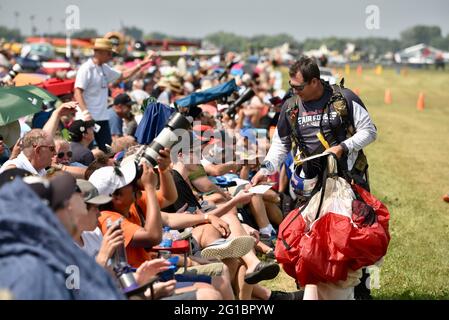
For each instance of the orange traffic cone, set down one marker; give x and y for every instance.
(388, 99)
(357, 91)
(420, 104)
(359, 70)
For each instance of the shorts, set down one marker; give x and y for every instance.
(210, 269)
(190, 295)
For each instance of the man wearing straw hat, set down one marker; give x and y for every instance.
(91, 87)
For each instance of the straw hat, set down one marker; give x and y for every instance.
(172, 83)
(103, 44)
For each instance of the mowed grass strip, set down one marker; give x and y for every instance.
(409, 172)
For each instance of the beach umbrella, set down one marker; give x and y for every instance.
(16, 103)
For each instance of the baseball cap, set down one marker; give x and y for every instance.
(90, 193)
(123, 98)
(108, 179)
(56, 191)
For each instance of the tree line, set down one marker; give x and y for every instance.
(430, 35)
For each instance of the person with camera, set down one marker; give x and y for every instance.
(91, 87)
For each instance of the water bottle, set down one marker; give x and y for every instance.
(120, 264)
(175, 235)
(167, 238)
(119, 259)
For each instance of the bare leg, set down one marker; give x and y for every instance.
(258, 211)
(204, 291)
(244, 290)
(262, 247)
(205, 235)
(214, 198)
(274, 213)
(223, 284)
(260, 292)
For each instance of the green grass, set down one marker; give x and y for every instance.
(409, 172)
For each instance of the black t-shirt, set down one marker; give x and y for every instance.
(185, 194)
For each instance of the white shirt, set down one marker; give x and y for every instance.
(92, 242)
(94, 79)
(22, 162)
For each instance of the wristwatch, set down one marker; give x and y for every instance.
(267, 167)
(59, 166)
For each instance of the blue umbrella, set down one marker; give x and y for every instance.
(217, 92)
(153, 121)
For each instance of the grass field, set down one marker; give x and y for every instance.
(409, 172)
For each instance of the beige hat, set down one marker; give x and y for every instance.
(172, 83)
(103, 44)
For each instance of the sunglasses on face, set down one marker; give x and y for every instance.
(51, 148)
(299, 87)
(68, 153)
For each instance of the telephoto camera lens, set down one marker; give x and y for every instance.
(166, 138)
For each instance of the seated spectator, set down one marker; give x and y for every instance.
(31, 270)
(37, 150)
(102, 248)
(256, 270)
(139, 232)
(121, 120)
(61, 161)
(82, 135)
(122, 144)
(137, 93)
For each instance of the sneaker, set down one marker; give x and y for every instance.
(446, 197)
(263, 271)
(282, 295)
(234, 248)
(361, 292)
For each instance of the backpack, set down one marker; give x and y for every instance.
(341, 106)
(333, 233)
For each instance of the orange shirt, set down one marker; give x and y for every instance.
(136, 255)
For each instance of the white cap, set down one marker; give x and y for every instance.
(107, 179)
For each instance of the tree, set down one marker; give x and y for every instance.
(133, 32)
(10, 34)
(228, 41)
(86, 33)
(157, 36)
(264, 41)
(419, 34)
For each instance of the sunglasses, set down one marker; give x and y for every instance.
(68, 153)
(298, 88)
(51, 148)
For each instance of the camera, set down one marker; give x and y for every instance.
(12, 73)
(246, 95)
(165, 139)
(228, 68)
